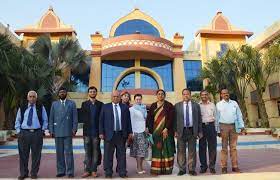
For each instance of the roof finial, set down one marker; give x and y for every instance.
(50, 8)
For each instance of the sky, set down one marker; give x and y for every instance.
(183, 16)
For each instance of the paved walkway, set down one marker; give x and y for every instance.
(259, 158)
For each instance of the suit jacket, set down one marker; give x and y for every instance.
(63, 120)
(179, 118)
(91, 124)
(106, 121)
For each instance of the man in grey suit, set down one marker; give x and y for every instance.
(63, 125)
(188, 127)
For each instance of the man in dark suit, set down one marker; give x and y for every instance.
(115, 129)
(188, 127)
(90, 113)
(63, 125)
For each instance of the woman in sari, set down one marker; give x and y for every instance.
(160, 124)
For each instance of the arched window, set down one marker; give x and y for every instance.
(164, 70)
(111, 70)
(148, 82)
(136, 25)
(128, 82)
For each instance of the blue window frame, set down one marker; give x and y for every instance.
(192, 72)
(148, 82)
(164, 69)
(136, 25)
(128, 82)
(110, 70)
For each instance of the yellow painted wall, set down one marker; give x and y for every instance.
(211, 45)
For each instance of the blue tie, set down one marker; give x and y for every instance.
(117, 119)
(30, 115)
(187, 116)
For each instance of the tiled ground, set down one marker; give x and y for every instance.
(257, 154)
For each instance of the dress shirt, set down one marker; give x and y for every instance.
(119, 113)
(228, 112)
(208, 111)
(190, 113)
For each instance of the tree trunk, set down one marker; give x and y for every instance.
(262, 109)
(9, 119)
(2, 115)
(243, 109)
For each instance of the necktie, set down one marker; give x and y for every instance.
(30, 115)
(117, 118)
(187, 116)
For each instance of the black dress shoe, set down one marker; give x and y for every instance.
(108, 176)
(22, 177)
(34, 177)
(123, 176)
(212, 171)
(202, 171)
(224, 170)
(60, 175)
(181, 173)
(70, 175)
(192, 173)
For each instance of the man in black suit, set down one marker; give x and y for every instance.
(90, 113)
(188, 127)
(115, 129)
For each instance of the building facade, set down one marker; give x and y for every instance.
(137, 57)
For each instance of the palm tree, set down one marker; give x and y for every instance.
(235, 74)
(65, 56)
(20, 72)
(212, 72)
(260, 68)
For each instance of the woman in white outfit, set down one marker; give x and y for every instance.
(139, 147)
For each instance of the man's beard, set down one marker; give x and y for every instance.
(62, 98)
(92, 97)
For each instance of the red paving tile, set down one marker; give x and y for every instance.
(253, 160)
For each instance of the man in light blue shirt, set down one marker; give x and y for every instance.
(31, 121)
(230, 123)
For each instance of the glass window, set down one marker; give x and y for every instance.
(148, 82)
(192, 73)
(224, 48)
(128, 82)
(111, 70)
(164, 69)
(80, 78)
(136, 25)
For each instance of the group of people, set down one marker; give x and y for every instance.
(120, 124)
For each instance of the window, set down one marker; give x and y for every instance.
(192, 72)
(224, 48)
(164, 69)
(80, 77)
(136, 25)
(111, 70)
(148, 82)
(128, 82)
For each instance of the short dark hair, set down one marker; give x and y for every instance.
(161, 90)
(62, 89)
(204, 90)
(186, 89)
(137, 95)
(92, 87)
(224, 89)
